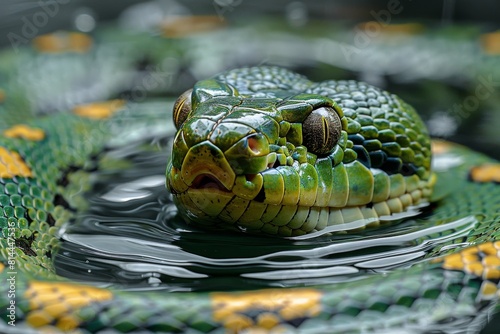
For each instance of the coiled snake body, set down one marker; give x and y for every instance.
(262, 150)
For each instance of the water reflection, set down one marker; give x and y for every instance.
(132, 238)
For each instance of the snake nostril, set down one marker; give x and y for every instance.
(253, 145)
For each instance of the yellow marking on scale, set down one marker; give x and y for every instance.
(489, 290)
(268, 320)
(11, 165)
(25, 132)
(274, 305)
(99, 110)
(485, 173)
(55, 302)
(62, 41)
(2, 267)
(2, 95)
(482, 261)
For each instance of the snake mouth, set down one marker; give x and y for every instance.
(207, 181)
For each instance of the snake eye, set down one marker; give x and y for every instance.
(182, 108)
(321, 130)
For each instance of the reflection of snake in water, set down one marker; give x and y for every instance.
(266, 151)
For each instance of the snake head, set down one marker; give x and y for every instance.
(264, 156)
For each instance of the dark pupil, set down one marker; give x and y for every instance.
(321, 130)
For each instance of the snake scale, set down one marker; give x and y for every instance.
(262, 150)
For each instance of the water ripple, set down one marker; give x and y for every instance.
(132, 238)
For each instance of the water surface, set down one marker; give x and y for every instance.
(132, 238)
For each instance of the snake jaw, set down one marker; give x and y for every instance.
(205, 161)
(208, 181)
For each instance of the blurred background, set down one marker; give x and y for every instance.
(440, 56)
(443, 57)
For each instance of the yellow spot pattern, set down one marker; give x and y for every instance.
(24, 131)
(99, 110)
(63, 42)
(491, 43)
(482, 261)
(11, 164)
(2, 267)
(486, 173)
(274, 306)
(54, 303)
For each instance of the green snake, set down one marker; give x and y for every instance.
(265, 150)
(262, 150)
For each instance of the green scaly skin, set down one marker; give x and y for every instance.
(250, 130)
(419, 297)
